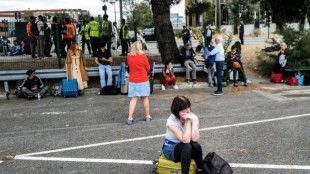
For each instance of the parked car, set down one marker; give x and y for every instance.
(149, 34)
(132, 36)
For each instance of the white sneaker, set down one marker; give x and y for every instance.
(163, 87)
(175, 87)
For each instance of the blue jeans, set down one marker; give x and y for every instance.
(102, 70)
(190, 41)
(219, 73)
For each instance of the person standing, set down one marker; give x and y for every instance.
(47, 39)
(107, 32)
(209, 34)
(70, 32)
(40, 37)
(78, 70)
(139, 85)
(32, 86)
(103, 59)
(93, 32)
(124, 36)
(57, 37)
(31, 37)
(85, 37)
(190, 35)
(78, 28)
(218, 51)
(209, 62)
(140, 37)
(114, 36)
(281, 63)
(241, 31)
(185, 35)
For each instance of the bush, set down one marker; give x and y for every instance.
(266, 62)
(256, 32)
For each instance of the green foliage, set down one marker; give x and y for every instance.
(84, 17)
(256, 32)
(247, 14)
(209, 15)
(61, 17)
(27, 18)
(198, 8)
(141, 14)
(228, 41)
(266, 62)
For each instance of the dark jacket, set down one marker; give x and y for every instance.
(30, 83)
(184, 57)
(277, 67)
(229, 56)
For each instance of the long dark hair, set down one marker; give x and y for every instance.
(169, 61)
(179, 103)
(238, 45)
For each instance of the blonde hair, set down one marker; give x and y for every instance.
(283, 44)
(136, 48)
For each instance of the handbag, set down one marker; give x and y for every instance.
(300, 79)
(214, 164)
(236, 65)
(292, 81)
(276, 78)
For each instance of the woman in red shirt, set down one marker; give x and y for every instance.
(139, 85)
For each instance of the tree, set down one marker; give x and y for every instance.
(209, 15)
(84, 17)
(247, 13)
(27, 16)
(141, 14)
(283, 11)
(61, 17)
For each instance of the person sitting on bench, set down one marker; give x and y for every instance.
(188, 55)
(33, 85)
(182, 135)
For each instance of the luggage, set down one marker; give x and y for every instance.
(300, 79)
(69, 86)
(198, 48)
(124, 87)
(109, 90)
(276, 78)
(165, 166)
(306, 80)
(57, 90)
(214, 164)
(292, 81)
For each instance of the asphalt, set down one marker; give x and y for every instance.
(57, 123)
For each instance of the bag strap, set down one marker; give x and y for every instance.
(67, 70)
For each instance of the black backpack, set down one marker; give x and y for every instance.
(109, 90)
(198, 48)
(214, 164)
(34, 29)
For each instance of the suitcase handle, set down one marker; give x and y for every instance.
(67, 71)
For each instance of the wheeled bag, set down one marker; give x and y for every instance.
(69, 86)
(165, 166)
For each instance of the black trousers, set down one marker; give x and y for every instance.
(124, 43)
(87, 42)
(241, 33)
(94, 44)
(67, 42)
(240, 71)
(184, 152)
(107, 40)
(47, 46)
(33, 43)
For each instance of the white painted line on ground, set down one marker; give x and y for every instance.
(161, 135)
(1, 162)
(147, 162)
(58, 113)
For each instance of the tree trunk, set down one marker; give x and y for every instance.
(164, 32)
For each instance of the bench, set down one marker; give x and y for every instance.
(303, 68)
(16, 75)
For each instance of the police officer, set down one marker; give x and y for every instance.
(106, 32)
(85, 37)
(93, 31)
(124, 36)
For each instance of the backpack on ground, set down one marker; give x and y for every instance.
(34, 29)
(198, 48)
(214, 164)
(109, 90)
(57, 90)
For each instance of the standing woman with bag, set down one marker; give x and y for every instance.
(281, 63)
(139, 85)
(78, 69)
(235, 63)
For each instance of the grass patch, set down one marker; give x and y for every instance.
(6, 158)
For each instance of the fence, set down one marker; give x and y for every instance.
(17, 31)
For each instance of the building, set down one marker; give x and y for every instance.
(193, 20)
(177, 21)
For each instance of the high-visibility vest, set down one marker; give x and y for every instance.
(94, 29)
(85, 32)
(70, 32)
(123, 30)
(29, 33)
(105, 28)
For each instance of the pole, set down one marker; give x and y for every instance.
(57, 46)
(121, 9)
(115, 11)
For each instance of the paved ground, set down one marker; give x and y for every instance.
(257, 131)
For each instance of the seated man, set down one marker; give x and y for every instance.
(33, 85)
(3, 47)
(188, 55)
(15, 49)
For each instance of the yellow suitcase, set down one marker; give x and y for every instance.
(166, 166)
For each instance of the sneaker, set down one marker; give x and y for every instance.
(210, 85)
(194, 82)
(131, 121)
(187, 81)
(175, 87)
(148, 118)
(31, 97)
(218, 93)
(98, 93)
(163, 87)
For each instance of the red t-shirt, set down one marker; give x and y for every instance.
(138, 67)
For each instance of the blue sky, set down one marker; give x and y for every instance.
(94, 6)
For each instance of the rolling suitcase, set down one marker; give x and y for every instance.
(69, 87)
(165, 166)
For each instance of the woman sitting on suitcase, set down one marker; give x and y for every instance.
(78, 69)
(167, 76)
(182, 135)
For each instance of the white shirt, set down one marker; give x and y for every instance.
(39, 25)
(114, 30)
(173, 121)
(218, 51)
(209, 32)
